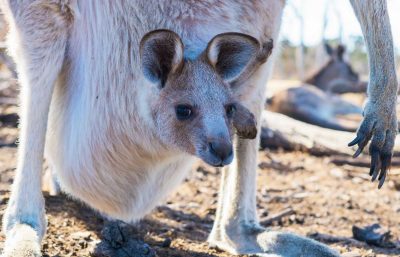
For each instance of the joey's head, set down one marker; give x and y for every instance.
(195, 109)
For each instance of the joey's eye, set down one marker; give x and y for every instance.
(183, 112)
(230, 110)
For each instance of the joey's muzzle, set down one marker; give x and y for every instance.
(222, 152)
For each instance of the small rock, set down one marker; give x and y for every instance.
(118, 240)
(81, 235)
(264, 213)
(83, 244)
(337, 173)
(352, 254)
(167, 243)
(373, 235)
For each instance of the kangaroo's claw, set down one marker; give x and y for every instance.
(380, 127)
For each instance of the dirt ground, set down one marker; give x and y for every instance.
(316, 195)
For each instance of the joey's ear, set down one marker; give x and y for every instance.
(230, 53)
(161, 53)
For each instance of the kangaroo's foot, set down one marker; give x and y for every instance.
(22, 241)
(24, 221)
(250, 238)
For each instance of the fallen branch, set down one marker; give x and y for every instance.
(280, 131)
(359, 162)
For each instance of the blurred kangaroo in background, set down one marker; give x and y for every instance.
(337, 76)
(312, 105)
(123, 110)
(316, 101)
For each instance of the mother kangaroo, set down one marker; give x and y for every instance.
(120, 95)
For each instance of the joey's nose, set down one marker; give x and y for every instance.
(221, 149)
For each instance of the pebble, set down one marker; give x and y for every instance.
(81, 235)
(167, 243)
(352, 254)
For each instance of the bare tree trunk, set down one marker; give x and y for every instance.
(300, 50)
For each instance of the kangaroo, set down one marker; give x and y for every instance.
(337, 76)
(312, 105)
(313, 102)
(135, 125)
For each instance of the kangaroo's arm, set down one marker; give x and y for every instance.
(380, 122)
(37, 41)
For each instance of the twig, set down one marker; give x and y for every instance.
(336, 239)
(8, 145)
(277, 217)
(7, 170)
